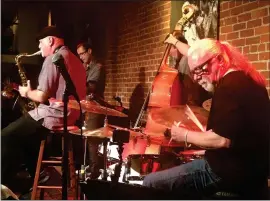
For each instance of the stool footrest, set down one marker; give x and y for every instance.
(50, 162)
(59, 158)
(50, 187)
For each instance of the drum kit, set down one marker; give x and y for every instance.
(131, 153)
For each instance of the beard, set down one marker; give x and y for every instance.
(207, 85)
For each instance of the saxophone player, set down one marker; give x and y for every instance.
(24, 135)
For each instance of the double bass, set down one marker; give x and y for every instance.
(166, 89)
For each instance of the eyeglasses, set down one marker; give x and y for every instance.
(82, 53)
(202, 69)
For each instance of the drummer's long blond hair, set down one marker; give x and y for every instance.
(236, 60)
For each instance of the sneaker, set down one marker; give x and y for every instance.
(44, 176)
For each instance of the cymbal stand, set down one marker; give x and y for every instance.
(105, 145)
(82, 174)
(82, 171)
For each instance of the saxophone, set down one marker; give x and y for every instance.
(29, 105)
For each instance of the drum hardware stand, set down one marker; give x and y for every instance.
(119, 137)
(105, 144)
(82, 171)
(117, 169)
(127, 171)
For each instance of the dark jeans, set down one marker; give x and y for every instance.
(190, 179)
(19, 139)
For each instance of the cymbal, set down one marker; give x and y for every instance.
(103, 132)
(168, 115)
(207, 104)
(93, 107)
(152, 137)
(133, 133)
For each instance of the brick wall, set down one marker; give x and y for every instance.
(245, 24)
(136, 48)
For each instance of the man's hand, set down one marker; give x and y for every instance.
(171, 39)
(24, 90)
(178, 132)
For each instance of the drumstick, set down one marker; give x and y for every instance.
(177, 124)
(170, 141)
(192, 116)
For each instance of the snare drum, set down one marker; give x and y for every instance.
(190, 155)
(138, 166)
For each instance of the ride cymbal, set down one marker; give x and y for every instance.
(93, 107)
(168, 115)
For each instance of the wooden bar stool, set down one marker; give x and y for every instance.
(56, 161)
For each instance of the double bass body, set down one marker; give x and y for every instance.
(167, 88)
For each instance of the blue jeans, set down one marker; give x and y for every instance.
(192, 178)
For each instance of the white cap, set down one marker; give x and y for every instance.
(202, 51)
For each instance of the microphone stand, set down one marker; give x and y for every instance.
(65, 145)
(70, 89)
(66, 140)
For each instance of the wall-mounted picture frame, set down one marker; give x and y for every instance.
(204, 22)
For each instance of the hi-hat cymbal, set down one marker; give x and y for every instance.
(133, 133)
(167, 116)
(93, 107)
(103, 132)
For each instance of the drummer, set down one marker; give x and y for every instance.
(95, 83)
(237, 132)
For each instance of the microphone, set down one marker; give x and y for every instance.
(58, 61)
(118, 99)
